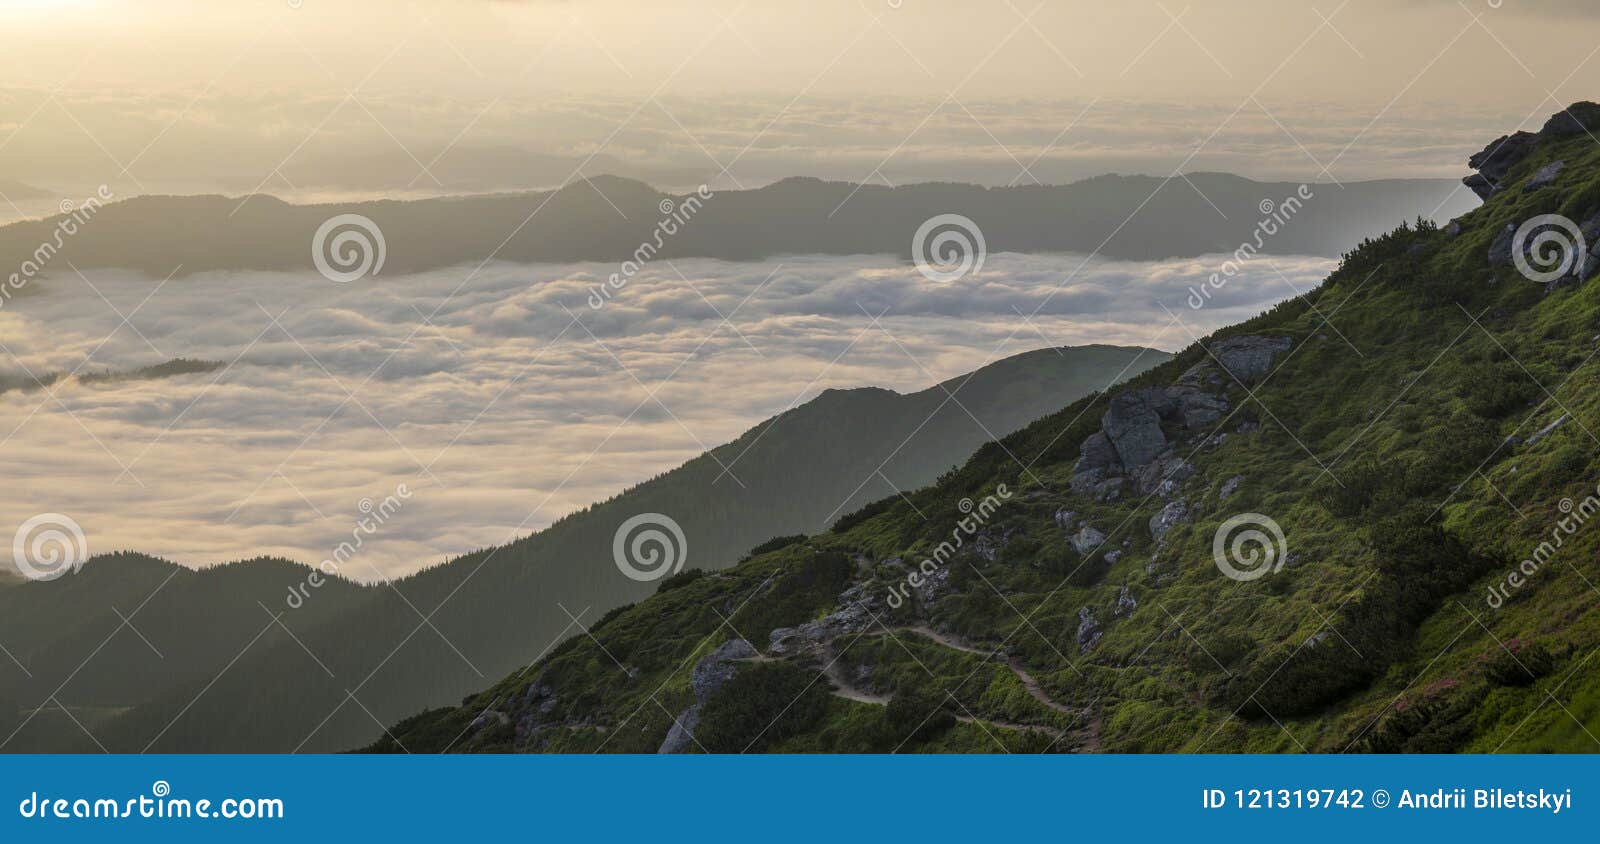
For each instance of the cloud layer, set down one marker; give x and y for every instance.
(501, 397)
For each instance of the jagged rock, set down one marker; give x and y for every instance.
(1163, 476)
(1113, 556)
(1126, 603)
(1197, 408)
(1064, 518)
(1087, 540)
(1089, 631)
(1547, 430)
(1170, 516)
(718, 667)
(1249, 358)
(1202, 376)
(1230, 486)
(1545, 175)
(1096, 452)
(1497, 159)
(1479, 185)
(681, 736)
(1577, 119)
(1133, 425)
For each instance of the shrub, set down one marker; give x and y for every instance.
(761, 706)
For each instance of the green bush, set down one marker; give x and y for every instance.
(762, 705)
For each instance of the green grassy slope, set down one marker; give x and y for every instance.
(1393, 442)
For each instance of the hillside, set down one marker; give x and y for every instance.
(607, 218)
(1420, 429)
(219, 659)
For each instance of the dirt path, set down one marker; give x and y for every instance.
(847, 690)
(1029, 682)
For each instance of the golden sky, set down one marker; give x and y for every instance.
(188, 95)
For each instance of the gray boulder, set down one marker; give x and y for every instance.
(1198, 408)
(1175, 513)
(1547, 430)
(1545, 175)
(1249, 358)
(1230, 486)
(1133, 425)
(1126, 603)
(681, 737)
(1109, 489)
(1089, 631)
(1096, 452)
(1087, 540)
(718, 667)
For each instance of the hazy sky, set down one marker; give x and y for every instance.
(308, 97)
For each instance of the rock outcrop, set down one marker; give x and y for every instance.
(1249, 359)
(1089, 631)
(1087, 540)
(1137, 432)
(713, 670)
(1172, 515)
(1497, 159)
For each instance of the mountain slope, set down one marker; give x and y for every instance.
(1420, 429)
(607, 218)
(232, 663)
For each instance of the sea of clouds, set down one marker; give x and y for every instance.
(500, 396)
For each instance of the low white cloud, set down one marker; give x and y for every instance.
(513, 402)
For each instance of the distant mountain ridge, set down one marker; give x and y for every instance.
(216, 659)
(607, 218)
